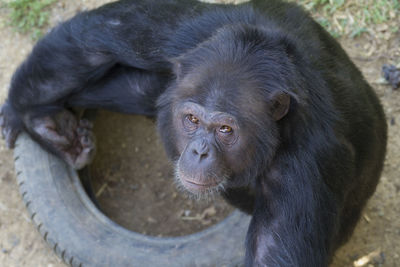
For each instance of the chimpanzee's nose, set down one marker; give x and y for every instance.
(200, 149)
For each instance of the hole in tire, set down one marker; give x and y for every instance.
(133, 183)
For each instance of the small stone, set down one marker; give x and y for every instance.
(151, 220)
(381, 213)
(13, 240)
(7, 177)
(133, 187)
(3, 207)
(382, 27)
(392, 75)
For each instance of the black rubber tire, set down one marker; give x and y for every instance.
(82, 236)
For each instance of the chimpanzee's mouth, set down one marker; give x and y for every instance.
(201, 185)
(192, 185)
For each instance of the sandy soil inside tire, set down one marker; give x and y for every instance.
(378, 232)
(134, 185)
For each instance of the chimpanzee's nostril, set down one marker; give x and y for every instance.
(203, 156)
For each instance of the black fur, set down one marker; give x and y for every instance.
(304, 177)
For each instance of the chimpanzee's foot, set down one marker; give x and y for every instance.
(63, 134)
(10, 125)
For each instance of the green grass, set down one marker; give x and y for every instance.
(353, 17)
(29, 16)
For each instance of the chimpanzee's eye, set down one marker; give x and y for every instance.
(225, 129)
(192, 118)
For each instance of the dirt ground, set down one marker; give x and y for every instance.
(377, 234)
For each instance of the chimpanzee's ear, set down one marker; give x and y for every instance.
(279, 104)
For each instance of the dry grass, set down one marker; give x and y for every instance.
(355, 17)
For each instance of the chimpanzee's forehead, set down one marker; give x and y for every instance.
(225, 90)
(237, 83)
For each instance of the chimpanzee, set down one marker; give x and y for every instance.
(254, 101)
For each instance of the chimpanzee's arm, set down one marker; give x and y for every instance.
(83, 49)
(293, 219)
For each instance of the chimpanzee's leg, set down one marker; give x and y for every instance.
(124, 89)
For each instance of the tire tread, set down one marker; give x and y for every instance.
(39, 225)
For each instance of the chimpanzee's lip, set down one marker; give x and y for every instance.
(196, 185)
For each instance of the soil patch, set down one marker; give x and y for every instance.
(133, 181)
